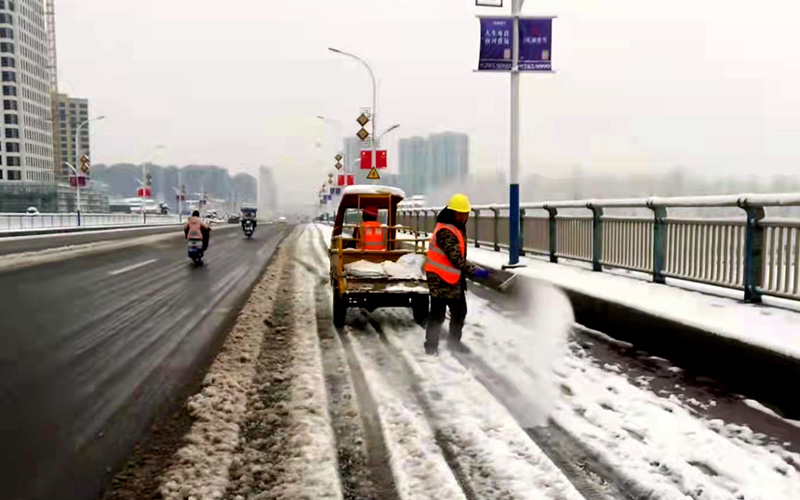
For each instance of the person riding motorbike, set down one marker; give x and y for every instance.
(196, 229)
(249, 214)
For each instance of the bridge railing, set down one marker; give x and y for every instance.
(24, 222)
(752, 253)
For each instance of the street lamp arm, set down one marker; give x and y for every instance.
(393, 127)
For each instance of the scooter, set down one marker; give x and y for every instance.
(195, 251)
(248, 227)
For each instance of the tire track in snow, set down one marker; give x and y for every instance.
(363, 458)
(449, 449)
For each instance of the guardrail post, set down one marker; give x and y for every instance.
(659, 243)
(521, 232)
(597, 237)
(496, 213)
(79, 218)
(477, 225)
(552, 243)
(753, 252)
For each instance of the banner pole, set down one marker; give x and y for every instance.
(513, 212)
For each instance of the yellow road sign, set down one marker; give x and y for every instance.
(362, 134)
(339, 166)
(338, 157)
(363, 119)
(373, 174)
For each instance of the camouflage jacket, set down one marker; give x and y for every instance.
(438, 287)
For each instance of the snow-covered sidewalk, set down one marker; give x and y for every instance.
(774, 328)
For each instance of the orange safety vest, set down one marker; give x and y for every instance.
(438, 263)
(195, 229)
(372, 236)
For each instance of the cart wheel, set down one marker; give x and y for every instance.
(339, 310)
(419, 306)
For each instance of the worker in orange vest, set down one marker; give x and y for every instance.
(447, 269)
(372, 234)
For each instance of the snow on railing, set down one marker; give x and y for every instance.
(757, 255)
(25, 222)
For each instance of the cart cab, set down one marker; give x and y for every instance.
(389, 277)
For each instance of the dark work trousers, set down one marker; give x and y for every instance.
(458, 312)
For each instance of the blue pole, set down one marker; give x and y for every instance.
(513, 222)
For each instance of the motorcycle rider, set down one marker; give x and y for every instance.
(196, 229)
(249, 214)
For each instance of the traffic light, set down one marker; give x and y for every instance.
(148, 180)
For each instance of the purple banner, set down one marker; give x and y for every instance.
(535, 42)
(495, 44)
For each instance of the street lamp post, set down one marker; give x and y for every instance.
(374, 100)
(513, 195)
(77, 161)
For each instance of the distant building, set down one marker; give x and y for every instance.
(27, 154)
(427, 164)
(449, 158)
(414, 167)
(70, 113)
(267, 191)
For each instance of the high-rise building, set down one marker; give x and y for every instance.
(449, 158)
(267, 192)
(69, 114)
(27, 151)
(436, 161)
(414, 167)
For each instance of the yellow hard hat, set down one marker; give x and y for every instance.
(459, 203)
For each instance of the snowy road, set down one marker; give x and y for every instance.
(537, 410)
(95, 344)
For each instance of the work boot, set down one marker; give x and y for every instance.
(456, 345)
(431, 350)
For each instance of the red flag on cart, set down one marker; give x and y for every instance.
(366, 159)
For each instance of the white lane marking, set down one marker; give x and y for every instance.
(131, 268)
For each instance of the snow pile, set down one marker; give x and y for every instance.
(201, 468)
(365, 269)
(661, 450)
(408, 266)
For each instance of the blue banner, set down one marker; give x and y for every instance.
(535, 43)
(496, 44)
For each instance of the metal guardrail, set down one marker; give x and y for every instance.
(754, 254)
(24, 222)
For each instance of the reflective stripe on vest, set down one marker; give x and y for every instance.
(437, 261)
(195, 229)
(372, 236)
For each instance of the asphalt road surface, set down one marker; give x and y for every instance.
(94, 347)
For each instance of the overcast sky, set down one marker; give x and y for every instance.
(640, 84)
